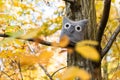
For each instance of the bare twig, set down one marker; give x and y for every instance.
(43, 42)
(30, 48)
(7, 75)
(4, 35)
(103, 22)
(115, 42)
(110, 42)
(19, 67)
(58, 70)
(33, 40)
(46, 72)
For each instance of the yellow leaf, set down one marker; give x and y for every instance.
(116, 75)
(87, 42)
(28, 59)
(2, 5)
(8, 53)
(113, 1)
(3, 21)
(55, 44)
(64, 41)
(72, 72)
(88, 52)
(23, 6)
(70, 50)
(31, 33)
(45, 56)
(16, 3)
(39, 17)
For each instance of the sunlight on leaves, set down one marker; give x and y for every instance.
(2, 6)
(8, 54)
(31, 33)
(42, 58)
(74, 72)
(28, 59)
(14, 31)
(116, 75)
(15, 34)
(23, 6)
(45, 56)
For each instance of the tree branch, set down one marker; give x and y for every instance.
(31, 39)
(110, 42)
(20, 71)
(50, 77)
(58, 70)
(7, 75)
(103, 22)
(43, 42)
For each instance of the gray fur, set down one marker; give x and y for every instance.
(76, 30)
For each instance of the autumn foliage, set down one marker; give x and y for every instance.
(26, 60)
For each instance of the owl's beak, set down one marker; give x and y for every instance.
(71, 30)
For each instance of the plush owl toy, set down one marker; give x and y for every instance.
(74, 30)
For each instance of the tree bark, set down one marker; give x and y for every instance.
(77, 10)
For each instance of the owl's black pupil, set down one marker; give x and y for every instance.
(78, 28)
(67, 25)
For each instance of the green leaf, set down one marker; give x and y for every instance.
(15, 34)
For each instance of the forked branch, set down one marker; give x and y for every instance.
(111, 40)
(103, 22)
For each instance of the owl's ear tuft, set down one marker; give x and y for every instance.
(85, 21)
(65, 20)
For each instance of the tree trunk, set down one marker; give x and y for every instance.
(76, 10)
(105, 69)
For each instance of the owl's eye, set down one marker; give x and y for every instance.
(78, 28)
(67, 25)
